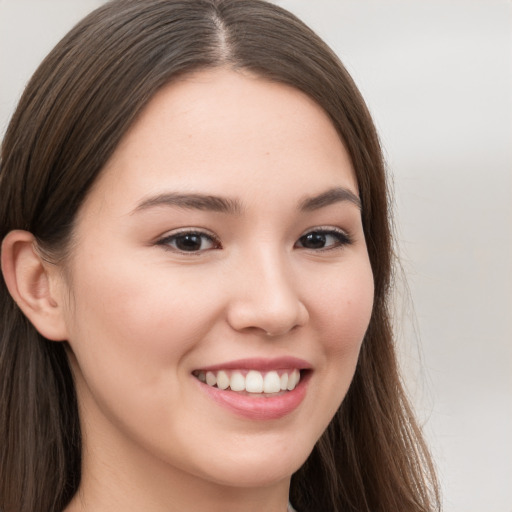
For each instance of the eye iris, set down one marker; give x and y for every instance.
(188, 242)
(314, 240)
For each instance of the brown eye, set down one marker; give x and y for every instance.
(190, 241)
(323, 239)
(313, 240)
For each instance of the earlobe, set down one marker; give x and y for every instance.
(32, 282)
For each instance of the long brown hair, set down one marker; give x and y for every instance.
(71, 117)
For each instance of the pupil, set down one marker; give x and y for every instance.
(314, 241)
(188, 242)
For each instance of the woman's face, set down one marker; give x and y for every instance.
(223, 242)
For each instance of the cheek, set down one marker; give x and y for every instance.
(340, 310)
(136, 318)
(132, 327)
(343, 305)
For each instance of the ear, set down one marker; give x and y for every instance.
(34, 284)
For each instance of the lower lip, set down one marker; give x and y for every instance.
(255, 407)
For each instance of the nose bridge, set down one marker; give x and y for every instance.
(266, 298)
(272, 276)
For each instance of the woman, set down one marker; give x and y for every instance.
(196, 263)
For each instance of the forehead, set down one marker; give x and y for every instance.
(225, 131)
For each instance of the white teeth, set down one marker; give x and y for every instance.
(211, 379)
(237, 382)
(253, 381)
(271, 383)
(284, 381)
(222, 380)
(293, 380)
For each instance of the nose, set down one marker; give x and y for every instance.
(264, 297)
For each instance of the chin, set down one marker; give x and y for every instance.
(258, 476)
(259, 467)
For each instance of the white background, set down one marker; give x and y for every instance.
(437, 76)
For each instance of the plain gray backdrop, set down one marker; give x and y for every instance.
(437, 76)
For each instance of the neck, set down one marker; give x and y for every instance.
(121, 477)
(134, 497)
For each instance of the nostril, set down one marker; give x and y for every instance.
(270, 319)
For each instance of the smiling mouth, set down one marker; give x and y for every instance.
(251, 382)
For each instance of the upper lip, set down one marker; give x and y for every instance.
(263, 364)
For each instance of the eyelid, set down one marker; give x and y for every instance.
(169, 235)
(329, 230)
(344, 239)
(326, 229)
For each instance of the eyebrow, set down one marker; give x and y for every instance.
(234, 206)
(192, 202)
(331, 196)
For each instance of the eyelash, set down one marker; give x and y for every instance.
(168, 240)
(342, 239)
